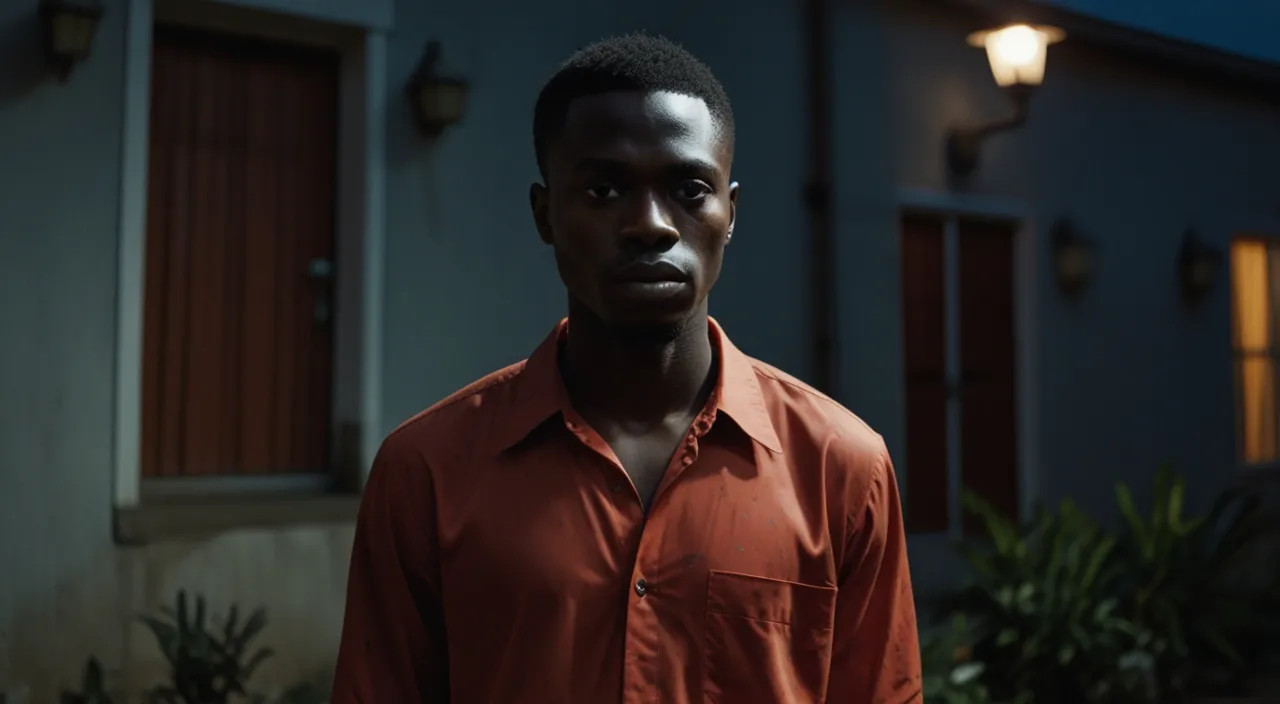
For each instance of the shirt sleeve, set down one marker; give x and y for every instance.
(393, 648)
(876, 651)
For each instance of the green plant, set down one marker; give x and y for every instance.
(1184, 584)
(1049, 627)
(951, 675)
(304, 693)
(92, 688)
(208, 664)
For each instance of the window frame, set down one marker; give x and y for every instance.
(358, 335)
(1271, 243)
(951, 207)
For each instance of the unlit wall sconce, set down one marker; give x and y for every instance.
(69, 27)
(1198, 267)
(438, 101)
(1017, 54)
(1073, 258)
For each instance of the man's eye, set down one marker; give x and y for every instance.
(693, 190)
(602, 192)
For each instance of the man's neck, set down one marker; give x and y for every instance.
(627, 380)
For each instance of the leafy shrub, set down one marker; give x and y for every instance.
(207, 664)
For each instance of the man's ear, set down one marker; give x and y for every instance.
(539, 203)
(733, 210)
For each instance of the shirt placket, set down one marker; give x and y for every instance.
(642, 641)
(643, 637)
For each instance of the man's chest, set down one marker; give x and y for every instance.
(556, 565)
(576, 529)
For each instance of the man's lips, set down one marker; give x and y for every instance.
(660, 271)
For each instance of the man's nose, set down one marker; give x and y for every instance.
(648, 224)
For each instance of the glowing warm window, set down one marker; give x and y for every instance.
(1255, 298)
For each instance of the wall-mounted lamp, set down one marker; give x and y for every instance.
(1017, 54)
(1198, 267)
(1073, 258)
(69, 27)
(438, 101)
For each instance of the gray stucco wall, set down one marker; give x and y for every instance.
(1127, 378)
(60, 149)
(470, 286)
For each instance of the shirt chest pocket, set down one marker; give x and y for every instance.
(766, 640)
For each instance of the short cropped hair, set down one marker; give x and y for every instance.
(632, 62)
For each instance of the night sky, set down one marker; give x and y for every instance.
(1247, 27)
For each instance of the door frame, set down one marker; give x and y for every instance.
(951, 207)
(359, 245)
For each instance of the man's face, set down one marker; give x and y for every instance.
(638, 206)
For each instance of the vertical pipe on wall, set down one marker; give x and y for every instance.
(818, 193)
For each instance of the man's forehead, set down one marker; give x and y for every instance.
(637, 114)
(631, 126)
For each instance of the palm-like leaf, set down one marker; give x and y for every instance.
(208, 665)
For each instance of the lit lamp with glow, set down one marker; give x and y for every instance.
(1017, 54)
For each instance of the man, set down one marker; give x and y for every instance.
(639, 512)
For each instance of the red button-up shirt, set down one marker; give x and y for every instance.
(502, 555)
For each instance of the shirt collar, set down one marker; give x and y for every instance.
(539, 391)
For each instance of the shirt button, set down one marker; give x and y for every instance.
(641, 587)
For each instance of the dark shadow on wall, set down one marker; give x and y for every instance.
(22, 66)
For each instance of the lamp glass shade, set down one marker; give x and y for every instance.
(441, 101)
(71, 32)
(1017, 52)
(1075, 262)
(1201, 273)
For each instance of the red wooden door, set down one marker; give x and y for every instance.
(982, 368)
(925, 362)
(240, 241)
(988, 364)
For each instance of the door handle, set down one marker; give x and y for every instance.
(320, 269)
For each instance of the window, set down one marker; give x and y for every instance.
(251, 239)
(237, 373)
(1255, 299)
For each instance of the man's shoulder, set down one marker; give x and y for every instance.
(458, 415)
(853, 456)
(818, 419)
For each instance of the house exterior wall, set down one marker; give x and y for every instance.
(1128, 377)
(62, 586)
(1125, 377)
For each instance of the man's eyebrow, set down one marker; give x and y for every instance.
(695, 165)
